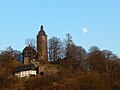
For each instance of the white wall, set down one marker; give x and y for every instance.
(26, 73)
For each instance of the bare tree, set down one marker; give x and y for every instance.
(68, 39)
(30, 42)
(55, 49)
(9, 49)
(102, 60)
(110, 61)
(93, 49)
(69, 45)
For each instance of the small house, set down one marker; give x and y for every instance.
(25, 71)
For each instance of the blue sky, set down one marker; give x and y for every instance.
(21, 19)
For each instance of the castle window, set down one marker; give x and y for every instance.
(25, 54)
(34, 56)
(29, 54)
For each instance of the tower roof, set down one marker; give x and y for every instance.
(29, 49)
(42, 32)
(24, 68)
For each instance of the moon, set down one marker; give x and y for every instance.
(84, 30)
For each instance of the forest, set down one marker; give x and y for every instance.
(94, 69)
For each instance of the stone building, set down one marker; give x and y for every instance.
(39, 57)
(30, 55)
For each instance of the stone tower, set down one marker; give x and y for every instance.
(42, 46)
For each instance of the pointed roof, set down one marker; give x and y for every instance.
(28, 49)
(42, 32)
